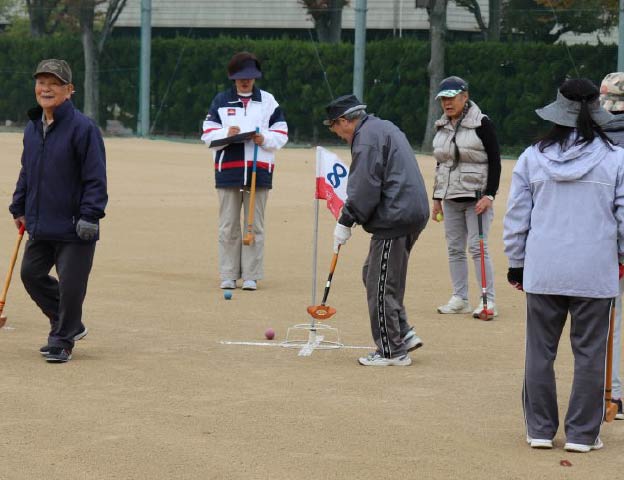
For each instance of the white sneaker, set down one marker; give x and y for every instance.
(542, 443)
(455, 305)
(249, 285)
(491, 306)
(581, 448)
(376, 360)
(228, 284)
(412, 341)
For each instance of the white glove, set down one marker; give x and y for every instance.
(341, 235)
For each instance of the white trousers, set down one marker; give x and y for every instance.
(235, 259)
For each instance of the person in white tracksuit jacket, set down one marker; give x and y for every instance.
(564, 235)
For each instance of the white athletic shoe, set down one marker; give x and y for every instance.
(455, 305)
(412, 341)
(542, 443)
(228, 284)
(491, 306)
(581, 448)
(249, 285)
(376, 360)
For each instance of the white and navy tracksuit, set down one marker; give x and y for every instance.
(233, 172)
(565, 226)
(386, 194)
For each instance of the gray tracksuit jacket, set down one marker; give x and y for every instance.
(386, 192)
(565, 219)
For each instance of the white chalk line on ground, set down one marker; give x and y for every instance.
(280, 344)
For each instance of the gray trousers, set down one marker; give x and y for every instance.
(235, 259)
(589, 328)
(384, 274)
(60, 300)
(462, 230)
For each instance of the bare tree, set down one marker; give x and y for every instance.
(44, 16)
(437, 33)
(327, 17)
(93, 40)
(491, 31)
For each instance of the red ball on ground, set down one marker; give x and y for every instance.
(269, 334)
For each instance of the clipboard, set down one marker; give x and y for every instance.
(238, 138)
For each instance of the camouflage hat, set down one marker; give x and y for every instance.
(612, 92)
(58, 68)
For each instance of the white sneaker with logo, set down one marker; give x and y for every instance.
(412, 341)
(455, 305)
(581, 448)
(376, 360)
(491, 306)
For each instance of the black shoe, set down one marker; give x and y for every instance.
(80, 335)
(45, 350)
(58, 355)
(619, 415)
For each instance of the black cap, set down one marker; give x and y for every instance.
(451, 86)
(342, 106)
(59, 68)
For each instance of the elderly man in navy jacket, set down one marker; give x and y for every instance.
(60, 197)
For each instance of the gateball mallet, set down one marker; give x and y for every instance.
(248, 239)
(484, 314)
(323, 311)
(7, 281)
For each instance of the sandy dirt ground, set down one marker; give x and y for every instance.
(153, 393)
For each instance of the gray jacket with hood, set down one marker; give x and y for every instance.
(615, 129)
(386, 192)
(565, 219)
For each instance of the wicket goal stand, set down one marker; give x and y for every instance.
(314, 335)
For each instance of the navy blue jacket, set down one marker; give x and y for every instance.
(63, 177)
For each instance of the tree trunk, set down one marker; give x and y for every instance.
(494, 24)
(37, 16)
(437, 22)
(329, 25)
(91, 79)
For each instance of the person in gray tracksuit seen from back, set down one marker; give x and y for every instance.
(612, 100)
(386, 195)
(564, 237)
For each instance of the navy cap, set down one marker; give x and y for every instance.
(342, 106)
(451, 86)
(249, 68)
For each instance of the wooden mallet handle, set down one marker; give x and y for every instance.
(248, 239)
(7, 281)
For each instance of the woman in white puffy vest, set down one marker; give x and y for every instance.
(468, 166)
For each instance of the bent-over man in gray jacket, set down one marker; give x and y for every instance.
(387, 196)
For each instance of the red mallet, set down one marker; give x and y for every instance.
(269, 334)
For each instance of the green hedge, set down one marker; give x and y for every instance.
(508, 80)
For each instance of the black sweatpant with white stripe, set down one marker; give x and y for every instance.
(384, 275)
(589, 328)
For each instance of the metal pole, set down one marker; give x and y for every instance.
(360, 49)
(620, 62)
(144, 74)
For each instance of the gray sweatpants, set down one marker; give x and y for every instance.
(462, 230)
(589, 328)
(60, 300)
(235, 259)
(384, 274)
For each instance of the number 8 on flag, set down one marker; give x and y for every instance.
(331, 180)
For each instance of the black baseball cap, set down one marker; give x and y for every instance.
(342, 106)
(56, 67)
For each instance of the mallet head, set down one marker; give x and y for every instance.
(3, 320)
